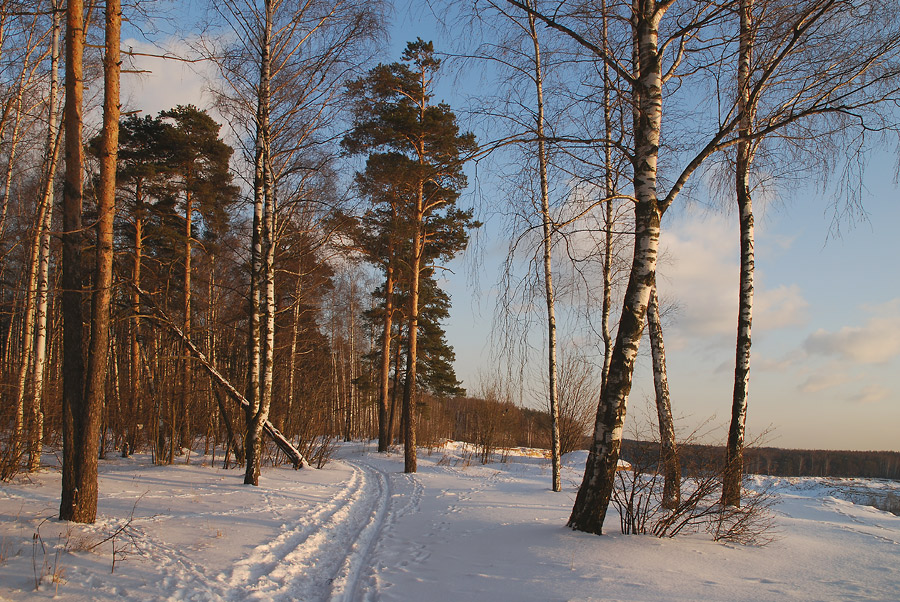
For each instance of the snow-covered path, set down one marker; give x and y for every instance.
(362, 531)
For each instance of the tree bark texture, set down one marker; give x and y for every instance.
(73, 478)
(384, 422)
(263, 276)
(668, 448)
(41, 341)
(547, 243)
(734, 459)
(409, 391)
(595, 492)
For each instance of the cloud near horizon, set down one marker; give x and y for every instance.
(702, 279)
(876, 342)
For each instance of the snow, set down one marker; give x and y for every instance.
(360, 529)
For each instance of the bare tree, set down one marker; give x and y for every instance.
(286, 69)
(661, 36)
(828, 69)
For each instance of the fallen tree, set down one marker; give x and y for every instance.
(294, 455)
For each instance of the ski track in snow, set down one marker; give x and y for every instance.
(869, 528)
(330, 553)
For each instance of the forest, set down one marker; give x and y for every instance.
(264, 276)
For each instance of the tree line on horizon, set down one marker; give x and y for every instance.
(161, 286)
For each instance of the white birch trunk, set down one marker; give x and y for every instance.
(594, 495)
(734, 461)
(41, 341)
(547, 243)
(261, 312)
(668, 449)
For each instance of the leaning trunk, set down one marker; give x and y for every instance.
(668, 449)
(593, 497)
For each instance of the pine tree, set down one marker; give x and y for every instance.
(397, 123)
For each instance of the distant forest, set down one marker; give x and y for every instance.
(789, 462)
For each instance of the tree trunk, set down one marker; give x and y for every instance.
(668, 448)
(385, 423)
(295, 330)
(263, 277)
(79, 501)
(409, 391)
(184, 401)
(42, 295)
(392, 419)
(71, 502)
(734, 458)
(135, 332)
(594, 494)
(608, 211)
(547, 243)
(280, 440)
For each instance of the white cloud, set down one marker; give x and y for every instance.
(870, 394)
(167, 83)
(876, 342)
(824, 381)
(702, 277)
(779, 307)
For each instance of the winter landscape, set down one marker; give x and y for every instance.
(266, 264)
(360, 529)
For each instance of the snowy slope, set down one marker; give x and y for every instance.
(361, 530)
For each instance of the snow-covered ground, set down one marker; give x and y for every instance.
(359, 529)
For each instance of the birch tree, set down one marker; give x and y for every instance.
(286, 71)
(42, 239)
(828, 69)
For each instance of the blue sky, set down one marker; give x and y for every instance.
(826, 344)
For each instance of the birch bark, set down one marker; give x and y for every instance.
(547, 248)
(593, 497)
(734, 460)
(668, 449)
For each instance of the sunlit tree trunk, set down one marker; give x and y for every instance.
(734, 461)
(547, 244)
(608, 221)
(409, 391)
(668, 448)
(262, 277)
(71, 507)
(84, 406)
(595, 492)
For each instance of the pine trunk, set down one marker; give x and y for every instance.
(384, 422)
(409, 391)
(184, 402)
(71, 507)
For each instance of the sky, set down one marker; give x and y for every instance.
(826, 333)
